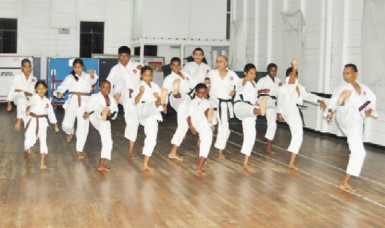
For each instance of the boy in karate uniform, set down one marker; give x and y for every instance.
(223, 83)
(23, 87)
(199, 118)
(268, 88)
(101, 109)
(125, 78)
(38, 109)
(246, 108)
(179, 86)
(290, 95)
(197, 69)
(149, 105)
(352, 101)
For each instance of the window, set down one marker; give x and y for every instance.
(228, 19)
(91, 38)
(149, 50)
(8, 35)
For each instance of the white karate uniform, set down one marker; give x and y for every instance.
(198, 72)
(271, 110)
(38, 106)
(148, 115)
(197, 109)
(287, 102)
(123, 79)
(181, 105)
(351, 122)
(95, 106)
(73, 110)
(220, 90)
(244, 106)
(18, 98)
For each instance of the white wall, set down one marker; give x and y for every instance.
(332, 38)
(39, 21)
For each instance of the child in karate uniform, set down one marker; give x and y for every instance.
(100, 110)
(222, 91)
(79, 85)
(246, 108)
(197, 69)
(199, 117)
(23, 87)
(149, 105)
(290, 95)
(179, 86)
(125, 78)
(38, 109)
(353, 102)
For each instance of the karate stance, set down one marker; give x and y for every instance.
(353, 102)
(79, 85)
(150, 101)
(268, 88)
(21, 90)
(246, 108)
(100, 110)
(38, 109)
(290, 95)
(197, 69)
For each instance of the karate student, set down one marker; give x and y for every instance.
(246, 108)
(124, 78)
(149, 105)
(199, 116)
(352, 101)
(290, 95)
(21, 90)
(197, 69)
(100, 110)
(38, 109)
(79, 85)
(268, 87)
(179, 86)
(223, 83)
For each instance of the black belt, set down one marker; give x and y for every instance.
(242, 100)
(220, 106)
(267, 95)
(362, 107)
(301, 113)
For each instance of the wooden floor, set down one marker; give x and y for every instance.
(71, 193)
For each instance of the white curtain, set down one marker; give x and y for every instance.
(237, 55)
(293, 23)
(373, 49)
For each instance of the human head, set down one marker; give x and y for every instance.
(250, 71)
(198, 55)
(26, 66)
(289, 70)
(124, 53)
(78, 66)
(175, 64)
(350, 73)
(105, 87)
(272, 69)
(146, 74)
(221, 62)
(41, 88)
(201, 90)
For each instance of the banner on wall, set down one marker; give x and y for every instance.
(9, 67)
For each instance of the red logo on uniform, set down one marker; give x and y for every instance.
(207, 71)
(47, 106)
(231, 78)
(187, 78)
(134, 70)
(33, 80)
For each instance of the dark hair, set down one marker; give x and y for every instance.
(207, 78)
(249, 67)
(288, 71)
(353, 66)
(124, 50)
(200, 86)
(25, 61)
(103, 82)
(40, 82)
(198, 49)
(76, 61)
(271, 65)
(175, 59)
(144, 69)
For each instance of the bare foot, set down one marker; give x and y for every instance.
(69, 137)
(293, 167)
(270, 152)
(79, 155)
(18, 125)
(343, 96)
(200, 173)
(175, 157)
(42, 166)
(347, 187)
(147, 168)
(104, 169)
(221, 156)
(247, 168)
(28, 152)
(133, 157)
